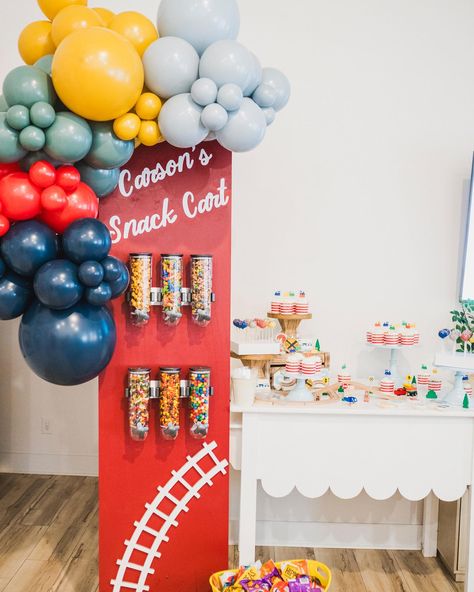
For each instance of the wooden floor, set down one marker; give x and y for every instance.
(48, 543)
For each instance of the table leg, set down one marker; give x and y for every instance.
(429, 542)
(469, 583)
(248, 490)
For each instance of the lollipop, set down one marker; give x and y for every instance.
(443, 333)
(454, 336)
(465, 338)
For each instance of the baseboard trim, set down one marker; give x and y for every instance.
(49, 464)
(334, 535)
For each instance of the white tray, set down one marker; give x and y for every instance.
(256, 348)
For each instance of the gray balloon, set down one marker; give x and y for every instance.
(102, 181)
(265, 95)
(204, 92)
(245, 129)
(280, 83)
(171, 66)
(201, 22)
(10, 147)
(227, 62)
(230, 97)
(180, 122)
(270, 115)
(256, 77)
(214, 117)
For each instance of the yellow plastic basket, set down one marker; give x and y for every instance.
(316, 569)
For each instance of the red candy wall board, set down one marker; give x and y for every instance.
(164, 504)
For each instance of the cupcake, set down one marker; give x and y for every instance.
(275, 306)
(435, 383)
(408, 336)
(423, 377)
(387, 384)
(287, 305)
(293, 363)
(391, 336)
(309, 365)
(376, 334)
(344, 375)
(301, 304)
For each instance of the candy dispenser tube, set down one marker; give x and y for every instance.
(170, 392)
(139, 403)
(171, 288)
(140, 287)
(199, 392)
(201, 289)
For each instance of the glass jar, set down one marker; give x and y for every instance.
(199, 391)
(201, 289)
(140, 287)
(170, 382)
(139, 402)
(171, 285)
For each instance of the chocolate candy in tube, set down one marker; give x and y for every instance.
(199, 391)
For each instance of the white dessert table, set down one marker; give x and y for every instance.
(423, 450)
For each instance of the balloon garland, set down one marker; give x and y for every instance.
(94, 86)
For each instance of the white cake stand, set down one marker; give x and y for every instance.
(394, 349)
(301, 392)
(462, 364)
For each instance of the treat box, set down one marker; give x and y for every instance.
(455, 361)
(256, 348)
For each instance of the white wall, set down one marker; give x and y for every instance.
(357, 195)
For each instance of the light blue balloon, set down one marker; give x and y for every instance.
(230, 97)
(204, 92)
(45, 63)
(107, 150)
(227, 62)
(200, 22)
(245, 129)
(18, 117)
(69, 139)
(211, 136)
(3, 104)
(171, 66)
(10, 147)
(265, 95)
(102, 181)
(214, 117)
(270, 114)
(180, 122)
(280, 83)
(256, 77)
(32, 138)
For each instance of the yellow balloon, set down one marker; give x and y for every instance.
(74, 18)
(148, 106)
(97, 74)
(35, 42)
(50, 8)
(127, 126)
(105, 14)
(136, 27)
(150, 134)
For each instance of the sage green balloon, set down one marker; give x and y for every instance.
(32, 138)
(108, 151)
(26, 85)
(10, 147)
(18, 117)
(102, 181)
(69, 139)
(3, 104)
(32, 157)
(42, 115)
(45, 63)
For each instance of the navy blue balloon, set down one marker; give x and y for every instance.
(67, 347)
(100, 295)
(86, 240)
(91, 273)
(120, 285)
(3, 268)
(113, 268)
(57, 284)
(27, 246)
(16, 294)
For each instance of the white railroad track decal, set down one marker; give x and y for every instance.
(142, 528)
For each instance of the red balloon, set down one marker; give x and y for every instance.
(68, 177)
(43, 174)
(53, 198)
(4, 225)
(8, 168)
(21, 199)
(82, 203)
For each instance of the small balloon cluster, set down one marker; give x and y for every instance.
(254, 323)
(462, 334)
(61, 287)
(97, 84)
(57, 197)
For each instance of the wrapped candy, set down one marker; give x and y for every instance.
(199, 391)
(139, 402)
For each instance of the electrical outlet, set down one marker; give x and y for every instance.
(46, 427)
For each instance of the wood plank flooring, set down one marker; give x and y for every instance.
(49, 532)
